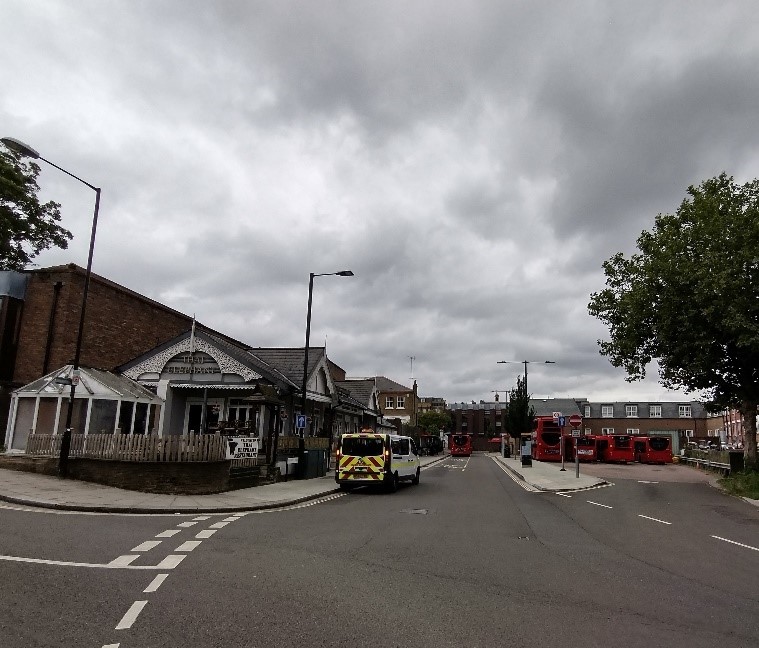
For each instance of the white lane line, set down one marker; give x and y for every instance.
(112, 645)
(519, 482)
(202, 518)
(654, 519)
(597, 504)
(188, 546)
(155, 583)
(131, 616)
(643, 481)
(243, 514)
(186, 524)
(563, 494)
(218, 525)
(147, 545)
(230, 519)
(170, 561)
(168, 534)
(740, 544)
(123, 561)
(203, 535)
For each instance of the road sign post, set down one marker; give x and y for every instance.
(575, 421)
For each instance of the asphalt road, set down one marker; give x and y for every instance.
(467, 558)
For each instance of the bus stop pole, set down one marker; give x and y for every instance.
(577, 458)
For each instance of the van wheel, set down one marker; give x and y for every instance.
(415, 480)
(392, 482)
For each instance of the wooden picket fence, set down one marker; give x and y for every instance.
(138, 447)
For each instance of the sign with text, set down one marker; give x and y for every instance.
(242, 447)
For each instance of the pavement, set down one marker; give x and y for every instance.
(44, 491)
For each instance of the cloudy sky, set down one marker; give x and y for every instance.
(473, 163)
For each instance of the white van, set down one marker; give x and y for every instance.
(373, 458)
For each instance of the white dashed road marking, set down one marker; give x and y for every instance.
(147, 545)
(155, 583)
(740, 544)
(170, 561)
(188, 546)
(597, 504)
(168, 534)
(202, 535)
(123, 561)
(131, 616)
(218, 525)
(654, 519)
(186, 524)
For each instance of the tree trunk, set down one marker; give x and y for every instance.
(748, 412)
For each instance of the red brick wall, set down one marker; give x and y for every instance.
(119, 324)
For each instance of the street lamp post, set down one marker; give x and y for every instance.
(525, 363)
(28, 151)
(341, 273)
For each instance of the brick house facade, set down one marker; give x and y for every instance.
(39, 331)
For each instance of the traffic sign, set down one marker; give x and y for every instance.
(556, 416)
(300, 422)
(576, 432)
(562, 421)
(575, 420)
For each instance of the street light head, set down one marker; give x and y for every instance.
(344, 273)
(549, 362)
(18, 146)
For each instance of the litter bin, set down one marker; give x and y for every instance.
(506, 451)
(736, 461)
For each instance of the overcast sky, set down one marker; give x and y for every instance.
(473, 163)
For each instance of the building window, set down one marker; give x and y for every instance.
(631, 411)
(389, 402)
(607, 411)
(588, 431)
(607, 430)
(633, 430)
(654, 411)
(464, 423)
(587, 411)
(684, 411)
(401, 402)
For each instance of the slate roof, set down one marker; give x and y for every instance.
(387, 385)
(669, 409)
(360, 389)
(289, 360)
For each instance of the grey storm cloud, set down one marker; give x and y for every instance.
(473, 163)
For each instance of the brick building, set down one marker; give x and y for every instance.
(39, 321)
(397, 401)
(686, 421)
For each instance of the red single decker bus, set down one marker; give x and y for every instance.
(546, 439)
(587, 448)
(460, 445)
(615, 448)
(655, 449)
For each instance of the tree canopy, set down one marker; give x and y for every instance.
(689, 299)
(520, 414)
(432, 422)
(27, 227)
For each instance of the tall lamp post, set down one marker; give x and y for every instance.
(341, 273)
(525, 363)
(28, 151)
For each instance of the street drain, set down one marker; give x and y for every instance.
(523, 537)
(415, 511)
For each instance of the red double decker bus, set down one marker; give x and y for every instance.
(655, 449)
(460, 445)
(615, 448)
(546, 439)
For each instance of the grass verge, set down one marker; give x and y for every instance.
(743, 484)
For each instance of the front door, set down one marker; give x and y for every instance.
(193, 419)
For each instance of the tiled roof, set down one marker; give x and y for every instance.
(289, 360)
(387, 385)
(360, 389)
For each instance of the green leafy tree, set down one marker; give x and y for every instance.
(520, 414)
(432, 422)
(690, 300)
(27, 227)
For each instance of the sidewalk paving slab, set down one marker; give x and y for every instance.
(44, 491)
(548, 476)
